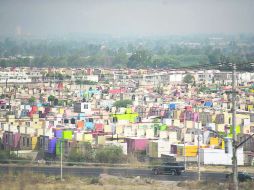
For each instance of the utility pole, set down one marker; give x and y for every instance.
(199, 175)
(198, 152)
(54, 86)
(61, 165)
(234, 156)
(184, 147)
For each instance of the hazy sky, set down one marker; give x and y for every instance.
(123, 17)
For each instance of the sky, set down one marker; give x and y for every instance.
(125, 17)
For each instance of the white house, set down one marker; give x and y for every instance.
(82, 107)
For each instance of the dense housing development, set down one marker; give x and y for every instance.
(114, 94)
(148, 113)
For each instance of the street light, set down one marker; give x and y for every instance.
(184, 148)
(199, 152)
(234, 156)
(225, 60)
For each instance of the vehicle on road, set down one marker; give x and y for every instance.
(169, 168)
(242, 177)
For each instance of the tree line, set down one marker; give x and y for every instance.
(118, 55)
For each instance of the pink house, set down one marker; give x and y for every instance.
(136, 144)
(116, 91)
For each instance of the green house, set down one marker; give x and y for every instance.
(67, 134)
(58, 147)
(127, 116)
(163, 127)
(238, 130)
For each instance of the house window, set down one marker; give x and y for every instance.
(24, 141)
(41, 142)
(114, 119)
(10, 139)
(6, 138)
(27, 142)
(46, 140)
(28, 124)
(73, 121)
(86, 106)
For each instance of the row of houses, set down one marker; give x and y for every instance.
(116, 76)
(161, 120)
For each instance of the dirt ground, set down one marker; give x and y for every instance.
(29, 181)
(223, 169)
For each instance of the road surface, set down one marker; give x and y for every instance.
(124, 172)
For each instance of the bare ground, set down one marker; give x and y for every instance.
(29, 181)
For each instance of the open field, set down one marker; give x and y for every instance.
(224, 169)
(29, 181)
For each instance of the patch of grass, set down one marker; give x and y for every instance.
(95, 180)
(209, 185)
(31, 181)
(246, 185)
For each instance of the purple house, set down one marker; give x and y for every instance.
(11, 140)
(52, 146)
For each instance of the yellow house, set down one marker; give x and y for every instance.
(88, 137)
(34, 143)
(107, 129)
(214, 141)
(220, 127)
(11, 119)
(189, 124)
(119, 129)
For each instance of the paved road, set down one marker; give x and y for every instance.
(96, 171)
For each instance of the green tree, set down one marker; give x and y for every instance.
(214, 56)
(51, 99)
(76, 156)
(122, 103)
(188, 79)
(4, 156)
(120, 59)
(109, 154)
(140, 58)
(32, 100)
(82, 153)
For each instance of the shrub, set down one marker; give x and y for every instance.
(94, 180)
(188, 79)
(122, 103)
(83, 153)
(4, 156)
(109, 154)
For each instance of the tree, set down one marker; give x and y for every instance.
(51, 99)
(109, 154)
(159, 89)
(122, 103)
(214, 56)
(120, 59)
(32, 100)
(213, 80)
(203, 89)
(188, 79)
(141, 58)
(83, 153)
(4, 156)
